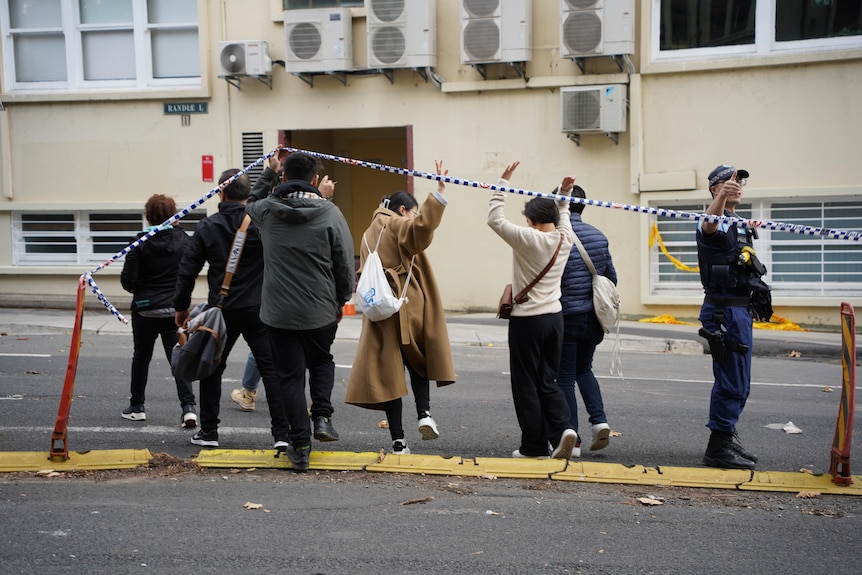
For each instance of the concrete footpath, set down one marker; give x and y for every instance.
(467, 329)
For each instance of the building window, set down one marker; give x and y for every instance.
(300, 4)
(728, 27)
(78, 238)
(797, 265)
(93, 44)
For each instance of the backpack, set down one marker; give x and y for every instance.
(374, 295)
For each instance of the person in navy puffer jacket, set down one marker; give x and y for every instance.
(582, 331)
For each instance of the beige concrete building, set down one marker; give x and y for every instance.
(106, 103)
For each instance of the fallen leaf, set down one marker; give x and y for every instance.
(794, 353)
(236, 471)
(806, 470)
(615, 434)
(250, 505)
(44, 471)
(807, 494)
(383, 424)
(381, 456)
(827, 389)
(488, 476)
(650, 501)
(419, 500)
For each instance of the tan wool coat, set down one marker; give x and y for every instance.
(418, 330)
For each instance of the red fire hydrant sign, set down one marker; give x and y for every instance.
(207, 168)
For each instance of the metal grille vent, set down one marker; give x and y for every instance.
(388, 44)
(481, 39)
(232, 59)
(252, 149)
(481, 8)
(581, 4)
(582, 32)
(387, 10)
(305, 40)
(582, 110)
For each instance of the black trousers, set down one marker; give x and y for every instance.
(145, 330)
(422, 394)
(296, 351)
(245, 322)
(535, 348)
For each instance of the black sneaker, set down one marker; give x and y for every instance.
(189, 419)
(298, 457)
(134, 413)
(323, 429)
(205, 438)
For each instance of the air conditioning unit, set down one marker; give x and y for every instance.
(593, 109)
(245, 58)
(496, 31)
(401, 33)
(596, 28)
(318, 40)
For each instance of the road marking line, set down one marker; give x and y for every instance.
(25, 355)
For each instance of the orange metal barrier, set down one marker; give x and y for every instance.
(59, 439)
(840, 461)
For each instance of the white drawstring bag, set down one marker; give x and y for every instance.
(374, 295)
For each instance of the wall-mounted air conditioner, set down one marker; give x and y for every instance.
(244, 58)
(596, 28)
(318, 40)
(593, 108)
(496, 31)
(402, 33)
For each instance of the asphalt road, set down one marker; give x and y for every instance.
(175, 518)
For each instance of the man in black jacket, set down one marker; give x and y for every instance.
(212, 243)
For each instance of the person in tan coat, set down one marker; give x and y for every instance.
(416, 336)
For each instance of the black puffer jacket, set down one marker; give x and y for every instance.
(150, 271)
(211, 244)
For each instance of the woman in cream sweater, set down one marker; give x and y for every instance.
(536, 325)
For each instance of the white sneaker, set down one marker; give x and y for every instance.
(601, 436)
(428, 427)
(568, 440)
(576, 452)
(399, 447)
(517, 455)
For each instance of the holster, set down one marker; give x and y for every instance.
(717, 344)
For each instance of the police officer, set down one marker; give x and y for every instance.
(730, 273)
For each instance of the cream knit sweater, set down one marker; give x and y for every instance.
(531, 251)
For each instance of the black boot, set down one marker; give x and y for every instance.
(740, 450)
(719, 453)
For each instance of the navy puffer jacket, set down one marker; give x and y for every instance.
(577, 282)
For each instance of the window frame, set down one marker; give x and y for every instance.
(73, 32)
(83, 237)
(765, 246)
(765, 44)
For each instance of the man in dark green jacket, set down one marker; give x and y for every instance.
(309, 274)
